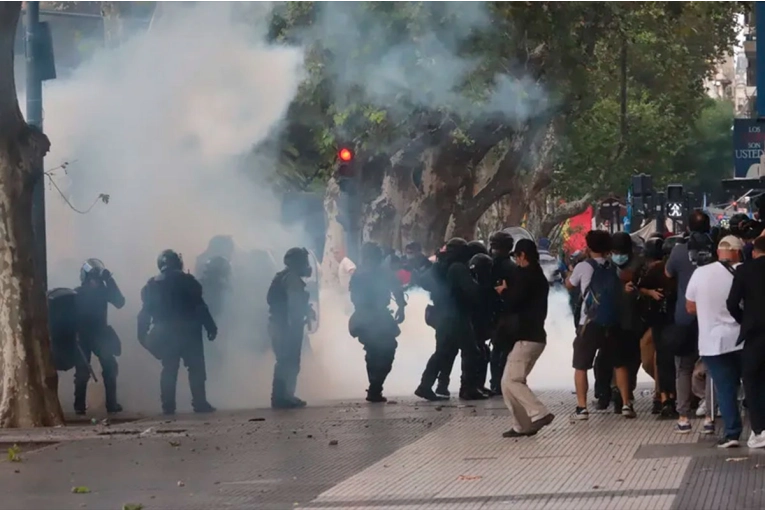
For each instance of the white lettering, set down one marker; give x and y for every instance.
(749, 153)
(754, 129)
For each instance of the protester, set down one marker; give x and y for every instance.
(528, 298)
(706, 297)
(746, 303)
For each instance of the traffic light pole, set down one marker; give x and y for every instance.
(35, 119)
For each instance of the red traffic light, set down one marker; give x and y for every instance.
(345, 154)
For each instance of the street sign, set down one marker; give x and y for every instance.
(674, 210)
(748, 148)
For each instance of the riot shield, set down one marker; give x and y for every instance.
(62, 319)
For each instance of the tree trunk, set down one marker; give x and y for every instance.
(334, 242)
(28, 395)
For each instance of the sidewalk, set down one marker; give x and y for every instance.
(407, 455)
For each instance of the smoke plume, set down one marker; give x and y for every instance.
(163, 124)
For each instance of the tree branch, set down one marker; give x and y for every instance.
(564, 212)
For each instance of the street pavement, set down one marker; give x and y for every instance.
(402, 455)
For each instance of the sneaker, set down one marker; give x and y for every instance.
(702, 409)
(472, 394)
(628, 411)
(204, 408)
(114, 409)
(581, 413)
(727, 442)
(708, 428)
(602, 403)
(657, 407)
(756, 440)
(668, 411)
(683, 427)
(376, 397)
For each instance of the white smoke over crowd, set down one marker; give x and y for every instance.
(161, 125)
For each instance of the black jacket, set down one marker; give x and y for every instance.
(527, 298)
(746, 300)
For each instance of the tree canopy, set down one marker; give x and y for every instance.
(483, 100)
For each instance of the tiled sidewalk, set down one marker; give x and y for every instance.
(402, 456)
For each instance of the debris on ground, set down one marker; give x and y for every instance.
(14, 453)
(468, 478)
(257, 419)
(439, 408)
(175, 444)
(132, 506)
(181, 484)
(334, 442)
(736, 459)
(80, 490)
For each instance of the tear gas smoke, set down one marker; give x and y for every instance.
(161, 125)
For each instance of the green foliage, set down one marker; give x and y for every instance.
(382, 75)
(707, 157)
(14, 453)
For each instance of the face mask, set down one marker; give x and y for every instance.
(620, 259)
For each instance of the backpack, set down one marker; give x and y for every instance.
(602, 299)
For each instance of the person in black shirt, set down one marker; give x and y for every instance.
(746, 302)
(501, 247)
(527, 297)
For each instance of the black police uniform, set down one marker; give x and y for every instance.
(98, 289)
(485, 312)
(371, 287)
(174, 309)
(454, 294)
(289, 311)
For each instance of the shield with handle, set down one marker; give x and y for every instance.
(62, 321)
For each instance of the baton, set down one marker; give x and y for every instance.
(87, 363)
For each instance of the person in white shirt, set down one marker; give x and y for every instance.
(345, 270)
(706, 298)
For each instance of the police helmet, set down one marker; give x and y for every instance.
(169, 260)
(477, 247)
(221, 245)
(480, 266)
(91, 270)
(501, 241)
(219, 266)
(654, 248)
(296, 258)
(670, 243)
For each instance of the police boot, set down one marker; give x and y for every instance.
(375, 396)
(428, 394)
(471, 394)
(110, 388)
(199, 398)
(80, 396)
(442, 390)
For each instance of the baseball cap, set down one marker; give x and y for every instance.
(731, 243)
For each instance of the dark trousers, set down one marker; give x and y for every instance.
(497, 361)
(753, 372)
(665, 361)
(483, 369)
(451, 337)
(191, 351)
(725, 370)
(444, 374)
(109, 371)
(287, 348)
(379, 358)
(603, 369)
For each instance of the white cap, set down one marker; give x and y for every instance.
(731, 243)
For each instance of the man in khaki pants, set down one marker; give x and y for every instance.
(527, 298)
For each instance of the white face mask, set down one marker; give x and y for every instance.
(620, 259)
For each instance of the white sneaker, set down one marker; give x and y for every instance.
(702, 409)
(756, 440)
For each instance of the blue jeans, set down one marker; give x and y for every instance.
(725, 370)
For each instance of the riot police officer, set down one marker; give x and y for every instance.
(96, 291)
(501, 246)
(371, 287)
(289, 312)
(485, 312)
(175, 311)
(216, 283)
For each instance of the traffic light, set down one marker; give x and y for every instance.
(642, 194)
(345, 173)
(675, 208)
